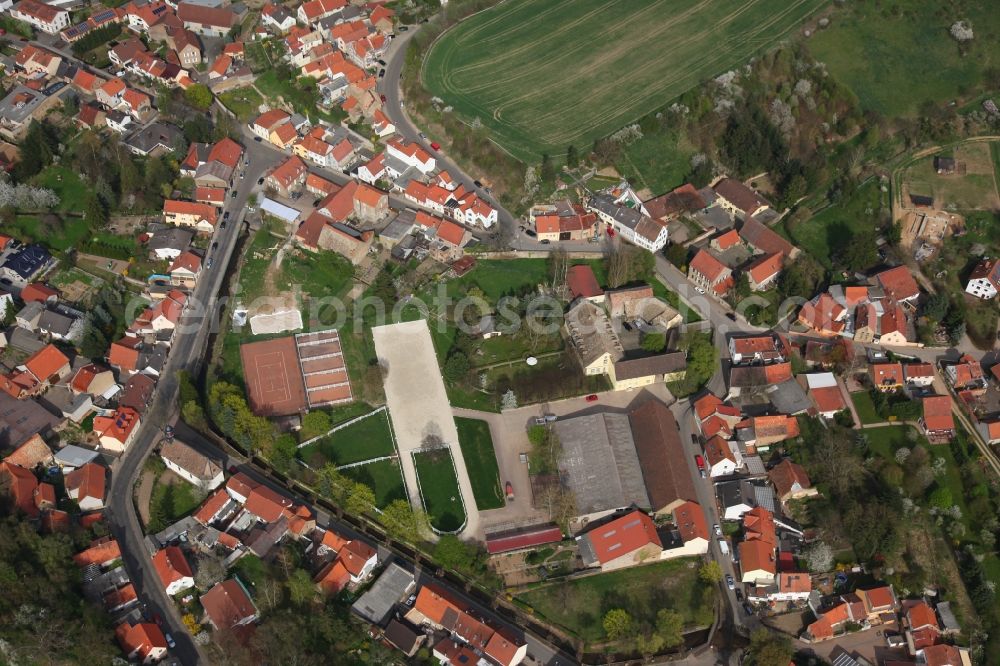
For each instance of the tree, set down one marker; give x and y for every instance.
(301, 589)
(819, 557)
(677, 254)
(193, 413)
(769, 649)
(618, 624)
(96, 212)
(360, 499)
(282, 452)
(941, 498)
(315, 423)
(548, 170)
(670, 627)
(572, 157)
(456, 367)
(453, 553)
(936, 306)
(654, 341)
(402, 521)
(199, 96)
(710, 572)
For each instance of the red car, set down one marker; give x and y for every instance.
(611, 232)
(510, 491)
(592, 397)
(699, 461)
(382, 97)
(435, 145)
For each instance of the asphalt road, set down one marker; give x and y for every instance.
(394, 108)
(187, 349)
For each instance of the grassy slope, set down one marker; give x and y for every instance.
(829, 230)
(544, 74)
(896, 61)
(580, 605)
(481, 462)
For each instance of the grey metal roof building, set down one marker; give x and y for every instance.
(392, 586)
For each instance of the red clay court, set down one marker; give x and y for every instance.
(290, 375)
(274, 381)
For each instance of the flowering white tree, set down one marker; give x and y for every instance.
(961, 31)
(819, 557)
(26, 197)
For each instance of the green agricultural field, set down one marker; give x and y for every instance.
(896, 56)
(547, 74)
(368, 438)
(384, 477)
(439, 487)
(481, 462)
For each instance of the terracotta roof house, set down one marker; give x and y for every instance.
(709, 273)
(922, 628)
(899, 284)
(886, 376)
(966, 375)
(683, 199)
(21, 484)
(30, 454)
(116, 432)
(36, 291)
(332, 578)
(726, 240)
(359, 559)
(764, 272)
(765, 240)
(721, 457)
(228, 605)
(173, 569)
(739, 199)
(690, 521)
(767, 430)
(86, 486)
(101, 552)
(919, 374)
(763, 348)
(207, 21)
(625, 541)
(946, 655)
(937, 420)
(791, 481)
(143, 641)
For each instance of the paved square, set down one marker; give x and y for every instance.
(418, 405)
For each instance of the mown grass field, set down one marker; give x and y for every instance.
(481, 462)
(366, 439)
(896, 56)
(546, 74)
(439, 487)
(384, 477)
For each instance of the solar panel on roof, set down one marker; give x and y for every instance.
(159, 10)
(103, 16)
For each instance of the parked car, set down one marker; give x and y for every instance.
(731, 315)
(477, 183)
(435, 146)
(611, 233)
(382, 97)
(730, 583)
(718, 529)
(739, 595)
(423, 136)
(403, 28)
(549, 418)
(381, 72)
(747, 608)
(170, 641)
(592, 397)
(235, 193)
(257, 139)
(382, 62)
(509, 489)
(530, 232)
(260, 181)
(700, 290)
(215, 245)
(699, 461)
(545, 241)
(225, 216)
(208, 264)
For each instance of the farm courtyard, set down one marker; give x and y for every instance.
(546, 74)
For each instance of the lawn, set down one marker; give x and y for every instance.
(976, 189)
(880, 49)
(579, 605)
(830, 230)
(371, 437)
(439, 488)
(546, 74)
(244, 102)
(481, 462)
(384, 477)
(865, 407)
(498, 277)
(170, 502)
(72, 191)
(28, 229)
(659, 161)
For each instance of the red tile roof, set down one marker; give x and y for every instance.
(333, 578)
(211, 506)
(690, 521)
(171, 565)
(828, 399)
(937, 413)
(46, 362)
(39, 292)
(887, 374)
(707, 265)
(728, 239)
(226, 151)
(141, 639)
(267, 504)
(21, 484)
(898, 283)
(451, 233)
(622, 536)
(87, 481)
(227, 604)
(582, 282)
(766, 267)
(355, 555)
(99, 552)
(786, 474)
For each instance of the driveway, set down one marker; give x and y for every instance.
(510, 439)
(418, 405)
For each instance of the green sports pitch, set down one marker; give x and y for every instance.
(546, 74)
